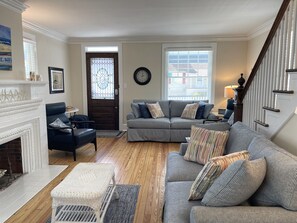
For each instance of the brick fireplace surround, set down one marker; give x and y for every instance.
(22, 115)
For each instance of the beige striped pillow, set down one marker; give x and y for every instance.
(190, 111)
(205, 144)
(155, 110)
(213, 170)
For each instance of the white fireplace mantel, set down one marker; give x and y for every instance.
(22, 104)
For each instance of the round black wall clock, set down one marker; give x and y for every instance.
(142, 76)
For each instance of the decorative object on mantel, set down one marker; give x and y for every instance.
(34, 77)
(5, 48)
(56, 80)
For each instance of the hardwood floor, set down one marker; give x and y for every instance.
(140, 163)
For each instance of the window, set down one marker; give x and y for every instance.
(30, 55)
(188, 72)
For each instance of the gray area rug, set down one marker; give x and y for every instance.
(109, 133)
(123, 209)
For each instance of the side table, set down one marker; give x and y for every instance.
(84, 194)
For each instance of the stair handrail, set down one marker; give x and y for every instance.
(266, 45)
(241, 91)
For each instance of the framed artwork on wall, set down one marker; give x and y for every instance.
(56, 80)
(5, 48)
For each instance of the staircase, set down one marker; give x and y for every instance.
(270, 95)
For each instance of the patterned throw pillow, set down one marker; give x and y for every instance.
(236, 184)
(189, 111)
(205, 144)
(59, 124)
(213, 170)
(155, 110)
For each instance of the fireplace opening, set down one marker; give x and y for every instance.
(11, 166)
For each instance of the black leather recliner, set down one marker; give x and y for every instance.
(67, 141)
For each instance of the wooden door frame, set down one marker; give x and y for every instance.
(122, 126)
(101, 102)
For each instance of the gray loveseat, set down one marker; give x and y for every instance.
(171, 128)
(274, 202)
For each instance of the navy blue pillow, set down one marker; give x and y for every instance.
(200, 112)
(144, 112)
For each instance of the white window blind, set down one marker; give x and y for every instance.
(188, 72)
(30, 56)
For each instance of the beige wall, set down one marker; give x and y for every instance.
(254, 47)
(53, 53)
(13, 20)
(75, 62)
(286, 137)
(136, 55)
(231, 62)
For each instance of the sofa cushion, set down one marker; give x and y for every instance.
(155, 110)
(236, 184)
(149, 123)
(144, 111)
(135, 110)
(177, 207)
(163, 104)
(207, 109)
(280, 184)
(211, 171)
(181, 123)
(189, 111)
(239, 138)
(179, 169)
(177, 107)
(205, 144)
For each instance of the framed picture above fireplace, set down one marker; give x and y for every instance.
(56, 80)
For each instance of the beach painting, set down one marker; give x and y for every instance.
(5, 48)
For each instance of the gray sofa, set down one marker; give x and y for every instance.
(171, 128)
(279, 203)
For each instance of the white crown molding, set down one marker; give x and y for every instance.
(14, 5)
(44, 31)
(261, 29)
(157, 39)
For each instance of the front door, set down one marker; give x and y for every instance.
(103, 90)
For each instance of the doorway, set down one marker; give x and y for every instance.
(103, 90)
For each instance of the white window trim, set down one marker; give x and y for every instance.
(84, 47)
(30, 38)
(186, 46)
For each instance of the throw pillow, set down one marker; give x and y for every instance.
(207, 109)
(205, 144)
(155, 110)
(213, 170)
(144, 112)
(200, 112)
(135, 110)
(279, 187)
(189, 111)
(59, 124)
(236, 184)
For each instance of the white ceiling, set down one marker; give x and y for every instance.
(130, 18)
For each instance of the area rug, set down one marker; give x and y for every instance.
(109, 133)
(123, 209)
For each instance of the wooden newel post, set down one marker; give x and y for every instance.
(238, 105)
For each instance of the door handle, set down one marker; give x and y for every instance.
(116, 91)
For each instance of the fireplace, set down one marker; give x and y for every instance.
(23, 122)
(10, 162)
